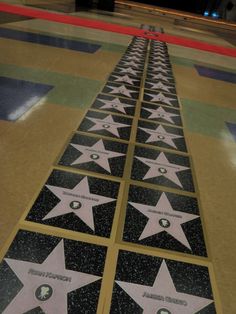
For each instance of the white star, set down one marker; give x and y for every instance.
(78, 200)
(121, 90)
(138, 59)
(46, 285)
(162, 167)
(158, 69)
(107, 124)
(159, 63)
(129, 70)
(160, 58)
(134, 54)
(160, 85)
(158, 297)
(162, 98)
(161, 113)
(160, 76)
(162, 217)
(125, 78)
(114, 104)
(139, 46)
(95, 153)
(131, 64)
(160, 135)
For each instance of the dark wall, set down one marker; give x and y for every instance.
(194, 6)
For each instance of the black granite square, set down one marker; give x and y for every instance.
(106, 125)
(76, 202)
(160, 86)
(46, 274)
(164, 220)
(128, 70)
(162, 168)
(161, 114)
(160, 97)
(96, 155)
(160, 76)
(114, 104)
(125, 79)
(122, 90)
(149, 284)
(161, 135)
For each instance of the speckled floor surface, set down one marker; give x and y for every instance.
(117, 171)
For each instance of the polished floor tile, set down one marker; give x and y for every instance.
(164, 220)
(18, 96)
(161, 136)
(216, 74)
(48, 40)
(159, 168)
(76, 202)
(232, 129)
(149, 284)
(46, 274)
(96, 155)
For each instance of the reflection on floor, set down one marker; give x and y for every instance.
(118, 171)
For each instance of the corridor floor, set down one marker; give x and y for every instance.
(118, 170)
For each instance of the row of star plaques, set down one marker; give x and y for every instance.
(47, 274)
(43, 274)
(61, 202)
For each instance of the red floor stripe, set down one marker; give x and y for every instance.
(67, 19)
